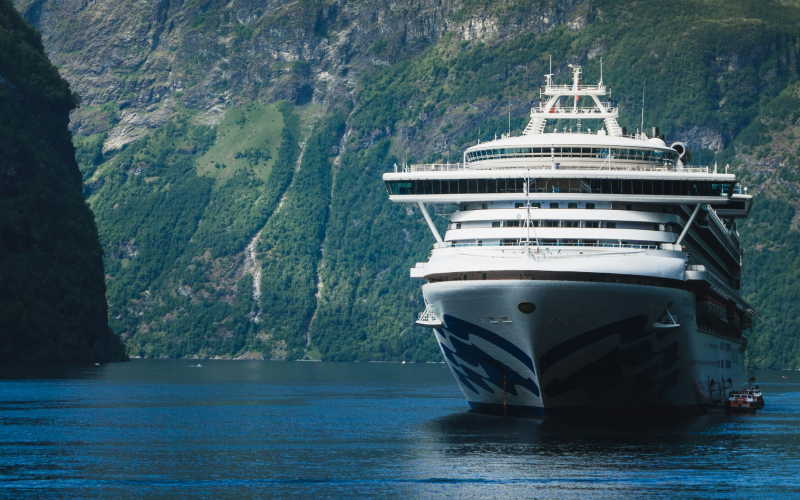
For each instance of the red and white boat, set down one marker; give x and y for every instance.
(740, 402)
(755, 393)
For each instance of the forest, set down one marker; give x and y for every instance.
(52, 292)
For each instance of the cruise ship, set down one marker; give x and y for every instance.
(583, 270)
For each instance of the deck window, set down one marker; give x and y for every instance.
(637, 187)
(639, 155)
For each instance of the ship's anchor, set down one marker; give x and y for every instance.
(505, 392)
(499, 367)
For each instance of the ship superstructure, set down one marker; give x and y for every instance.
(583, 268)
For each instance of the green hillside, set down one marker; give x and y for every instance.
(52, 294)
(239, 148)
(222, 240)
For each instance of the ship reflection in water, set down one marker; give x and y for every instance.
(326, 430)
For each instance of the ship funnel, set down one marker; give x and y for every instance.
(684, 153)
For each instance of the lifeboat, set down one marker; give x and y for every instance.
(740, 402)
(756, 394)
(711, 306)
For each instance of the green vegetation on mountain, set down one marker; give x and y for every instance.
(52, 294)
(220, 243)
(767, 156)
(237, 147)
(291, 245)
(772, 271)
(177, 286)
(368, 303)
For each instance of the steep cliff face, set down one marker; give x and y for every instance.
(147, 57)
(237, 227)
(52, 293)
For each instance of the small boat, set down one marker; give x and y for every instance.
(756, 394)
(740, 402)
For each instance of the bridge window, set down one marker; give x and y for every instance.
(637, 187)
(640, 155)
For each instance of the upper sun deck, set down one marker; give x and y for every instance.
(546, 169)
(569, 150)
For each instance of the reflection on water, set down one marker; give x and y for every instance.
(264, 429)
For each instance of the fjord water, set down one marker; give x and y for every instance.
(233, 429)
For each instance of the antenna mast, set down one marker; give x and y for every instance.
(527, 213)
(643, 85)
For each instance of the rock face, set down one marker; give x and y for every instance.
(52, 290)
(309, 259)
(132, 62)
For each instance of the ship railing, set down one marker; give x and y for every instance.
(434, 167)
(713, 214)
(569, 110)
(427, 316)
(532, 244)
(428, 319)
(668, 319)
(568, 88)
(548, 165)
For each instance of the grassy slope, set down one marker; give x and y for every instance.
(174, 244)
(247, 138)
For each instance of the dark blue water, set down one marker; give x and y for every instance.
(269, 429)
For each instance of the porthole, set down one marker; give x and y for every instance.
(526, 307)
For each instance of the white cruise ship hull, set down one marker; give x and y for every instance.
(589, 348)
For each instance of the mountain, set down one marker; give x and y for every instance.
(233, 151)
(52, 290)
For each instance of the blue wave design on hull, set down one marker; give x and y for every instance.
(596, 378)
(467, 355)
(600, 376)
